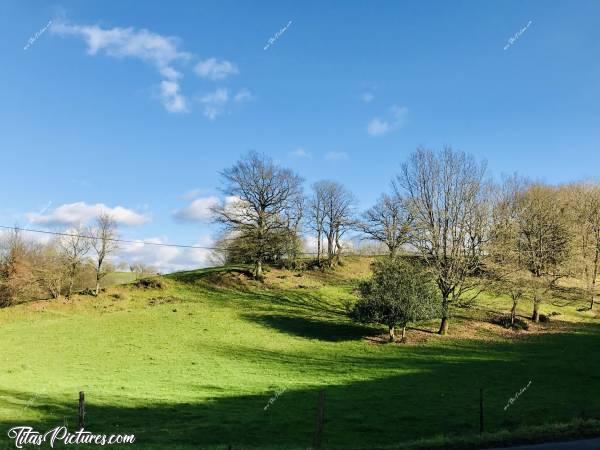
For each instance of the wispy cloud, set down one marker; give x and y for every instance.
(300, 153)
(215, 103)
(74, 214)
(396, 119)
(214, 69)
(165, 55)
(172, 100)
(336, 156)
(243, 95)
(162, 52)
(367, 97)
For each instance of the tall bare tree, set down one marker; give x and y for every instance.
(316, 215)
(338, 205)
(542, 238)
(103, 241)
(506, 263)
(445, 192)
(263, 193)
(388, 222)
(75, 245)
(583, 204)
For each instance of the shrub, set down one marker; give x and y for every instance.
(149, 283)
(398, 293)
(504, 321)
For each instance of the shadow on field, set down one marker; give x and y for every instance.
(401, 394)
(313, 328)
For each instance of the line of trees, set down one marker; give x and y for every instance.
(78, 258)
(470, 232)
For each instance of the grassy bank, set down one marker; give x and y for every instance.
(196, 362)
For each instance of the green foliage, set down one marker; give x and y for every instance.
(398, 293)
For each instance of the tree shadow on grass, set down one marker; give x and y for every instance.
(313, 328)
(391, 397)
(386, 397)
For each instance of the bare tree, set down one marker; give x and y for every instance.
(264, 192)
(337, 215)
(50, 269)
(542, 238)
(103, 241)
(141, 269)
(388, 222)
(17, 280)
(75, 245)
(583, 202)
(506, 263)
(316, 215)
(445, 197)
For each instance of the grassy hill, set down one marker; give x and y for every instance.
(195, 362)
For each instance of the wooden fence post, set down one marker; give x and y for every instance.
(480, 410)
(320, 419)
(81, 412)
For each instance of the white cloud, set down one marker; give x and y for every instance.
(243, 95)
(167, 259)
(367, 97)
(172, 99)
(74, 214)
(214, 102)
(198, 210)
(162, 52)
(213, 69)
(379, 127)
(300, 153)
(336, 156)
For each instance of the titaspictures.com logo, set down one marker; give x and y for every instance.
(25, 435)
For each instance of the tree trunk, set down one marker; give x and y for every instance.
(319, 248)
(536, 310)
(392, 334)
(513, 313)
(97, 287)
(444, 325)
(258, 272)
(330, 249)
(404, 333)
(594, 275)
(70, 286)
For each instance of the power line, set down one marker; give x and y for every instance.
(157, 244)
(55, 233)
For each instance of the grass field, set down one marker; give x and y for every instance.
(194, 364)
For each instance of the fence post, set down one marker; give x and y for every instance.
(320, 419)
(81, 412)
(480, 410)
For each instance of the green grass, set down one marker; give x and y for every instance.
(194, 364)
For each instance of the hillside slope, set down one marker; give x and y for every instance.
(196, 361)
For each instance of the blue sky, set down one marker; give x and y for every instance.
(99, 111)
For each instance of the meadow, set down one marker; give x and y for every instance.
(194, 364)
